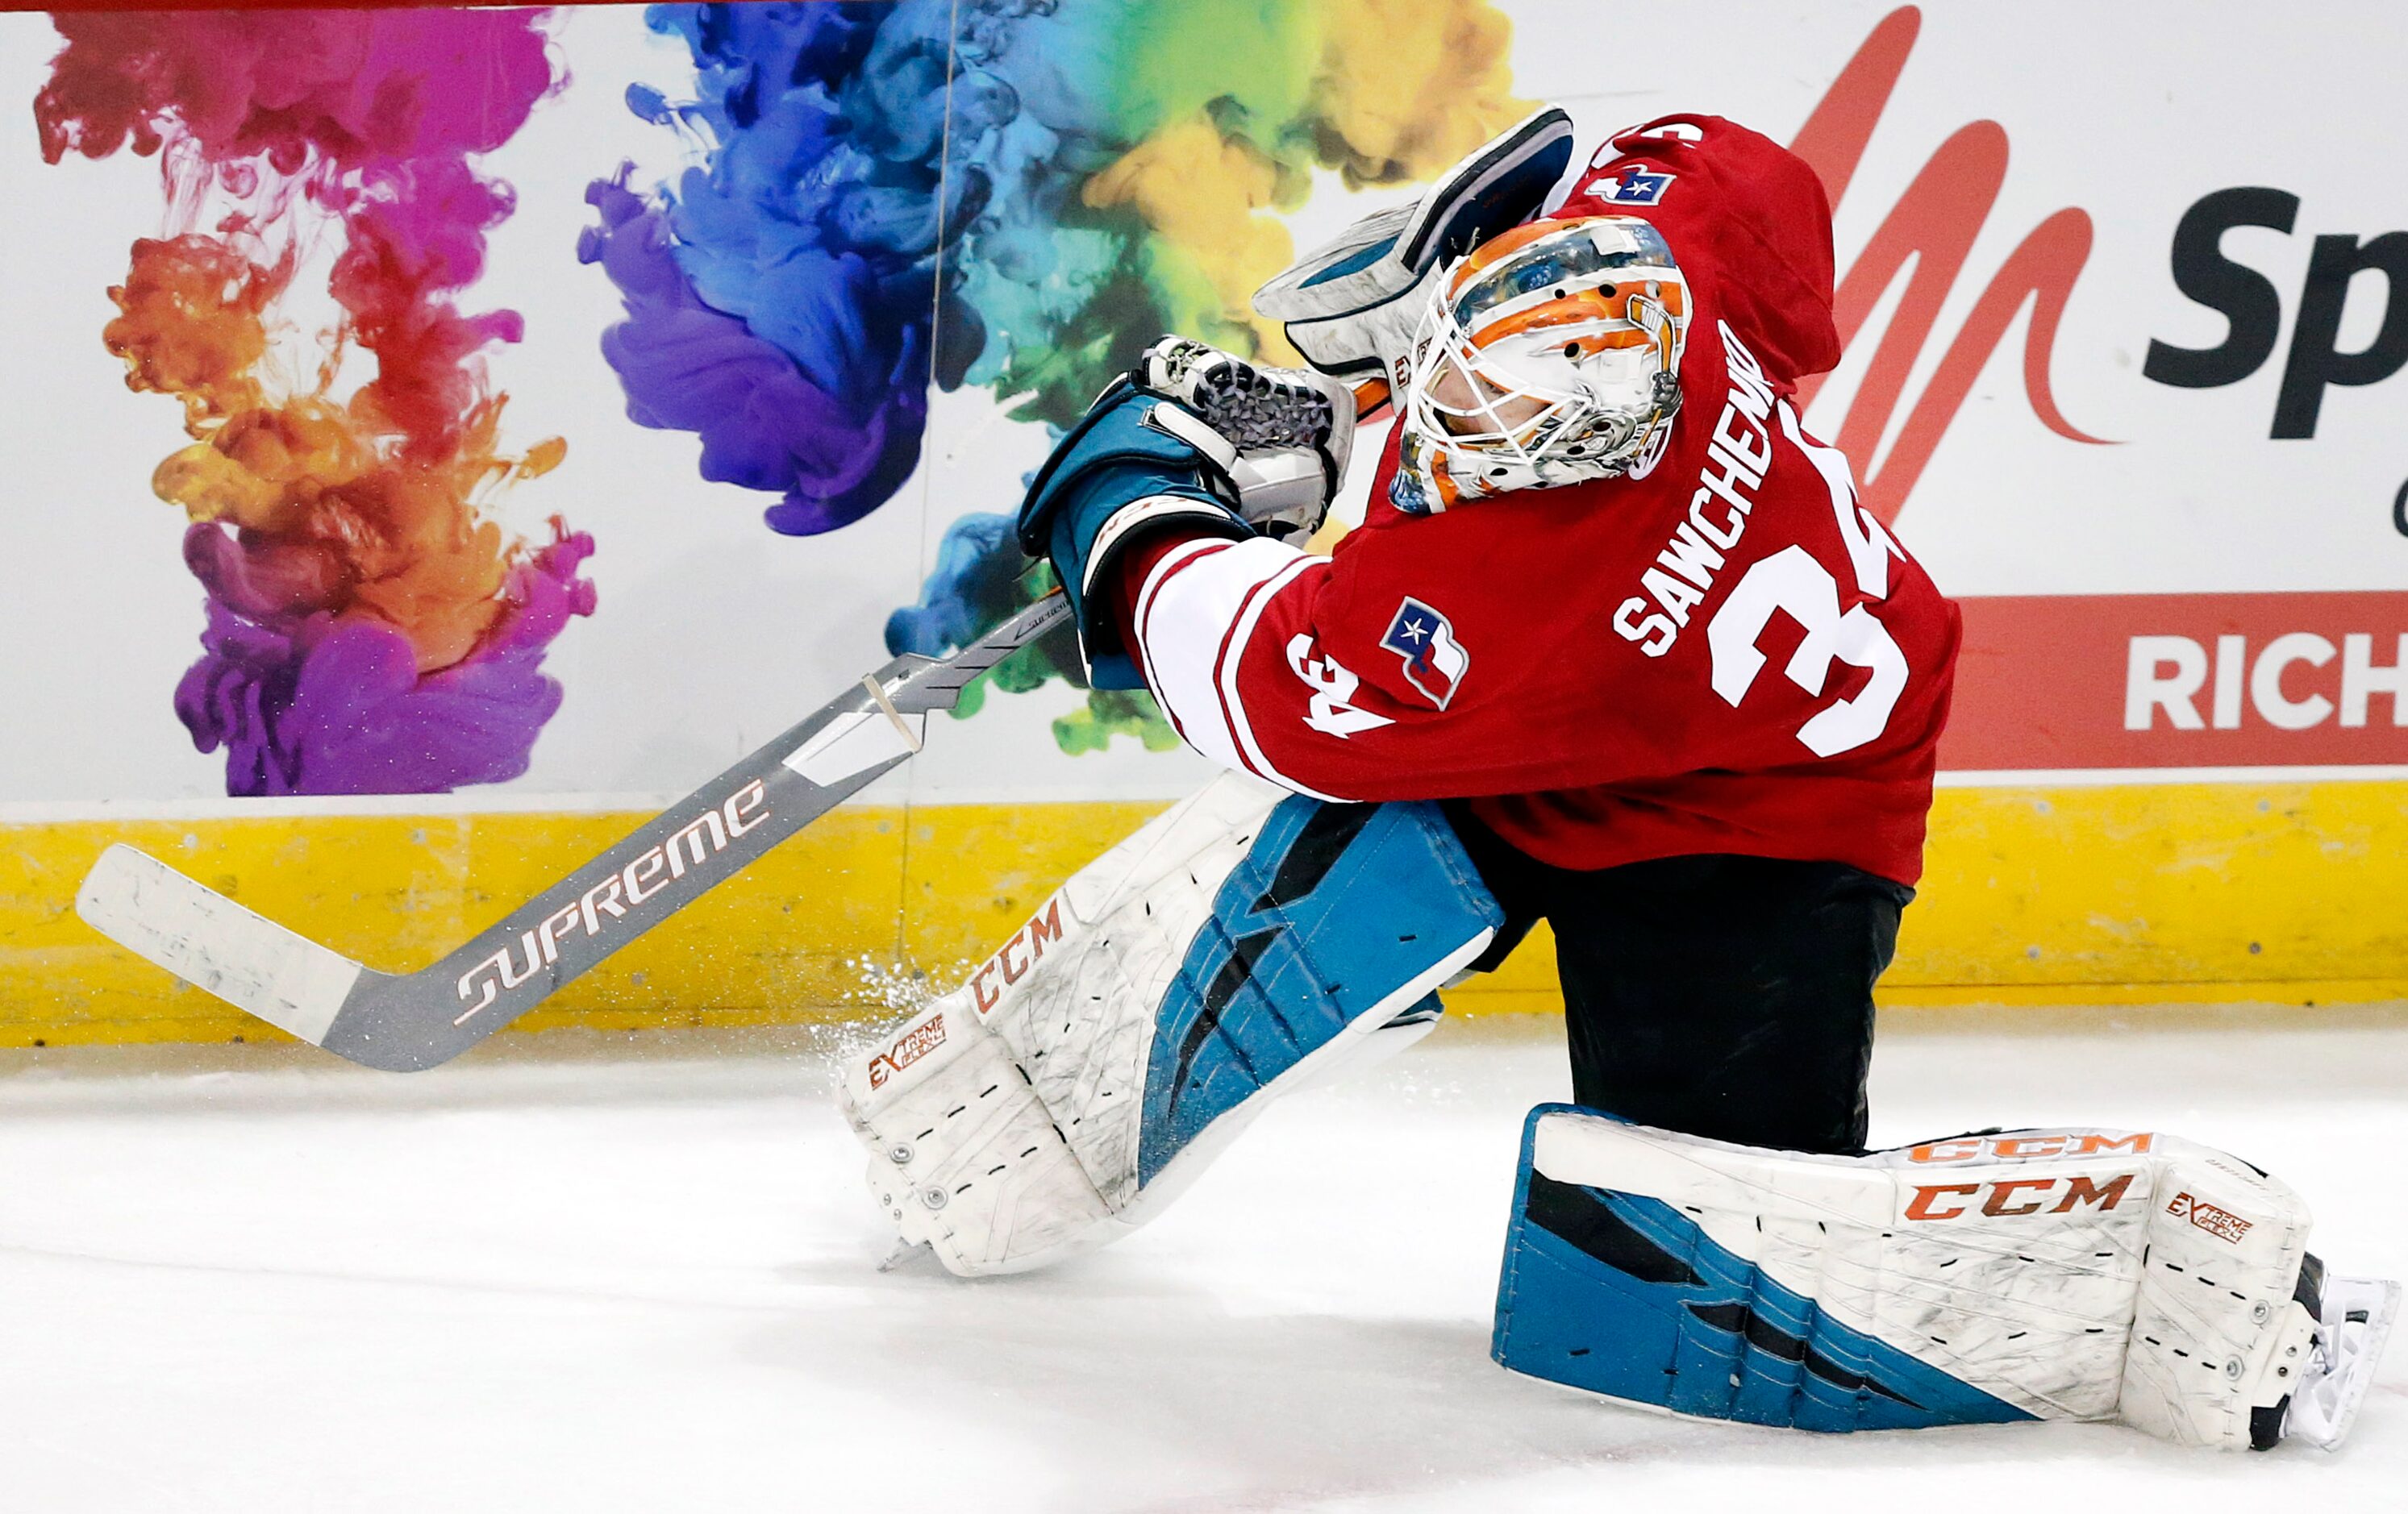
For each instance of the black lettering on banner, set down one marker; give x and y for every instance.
(2251, 309)
(2247, 299)
(2313, 361)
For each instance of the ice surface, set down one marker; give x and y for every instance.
(600, 1275)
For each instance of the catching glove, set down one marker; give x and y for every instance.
(1193, 437)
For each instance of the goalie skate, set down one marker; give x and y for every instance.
(2354, 1319)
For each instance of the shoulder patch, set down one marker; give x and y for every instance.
(1435, 660)
(1633, 185)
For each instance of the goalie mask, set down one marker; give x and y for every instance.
(1548, 355)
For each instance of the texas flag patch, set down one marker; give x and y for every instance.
(1634, 185)
(1434, 660)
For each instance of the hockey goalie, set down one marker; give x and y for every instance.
(1614, 648)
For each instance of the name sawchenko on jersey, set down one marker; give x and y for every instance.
(1736, 465)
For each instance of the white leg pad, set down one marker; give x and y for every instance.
(2216, 1332)
(2074, 1274)
(966, 1157)
(1242, 944)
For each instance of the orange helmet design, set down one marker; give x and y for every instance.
(1549, 354)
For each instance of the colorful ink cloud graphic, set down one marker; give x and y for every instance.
(370, 628)
(1017, 194)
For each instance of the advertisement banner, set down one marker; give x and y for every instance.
(515, 416)
(542, 401)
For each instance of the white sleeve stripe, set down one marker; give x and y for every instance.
(1172, 560)
(1232, 710)
(1151, 510)
(1232, 656)
(1197, 605)
(1142, 615)
(1183, 608)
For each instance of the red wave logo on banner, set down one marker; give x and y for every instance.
(2076, 682)
(1934, 223)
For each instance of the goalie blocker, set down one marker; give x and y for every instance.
(2071, 1274)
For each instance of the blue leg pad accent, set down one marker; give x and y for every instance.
(1337, 913)
(1628, 1296)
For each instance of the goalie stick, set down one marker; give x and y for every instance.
(408, 1022)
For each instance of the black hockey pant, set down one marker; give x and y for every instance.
(1724, 996)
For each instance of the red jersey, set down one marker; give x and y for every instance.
(1719, 653)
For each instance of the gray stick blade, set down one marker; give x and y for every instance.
(212, 942)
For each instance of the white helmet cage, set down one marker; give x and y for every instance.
(1548, 355)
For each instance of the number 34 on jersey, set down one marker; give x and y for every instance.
(1790, 581)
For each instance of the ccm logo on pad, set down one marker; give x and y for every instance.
(1029, 943)
(2012, 1196)
(2030, 1143)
